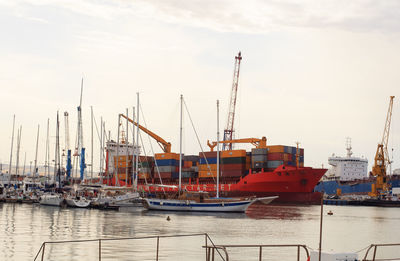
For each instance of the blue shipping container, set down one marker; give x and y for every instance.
(209, 160)
(274, 163)
(168, 162)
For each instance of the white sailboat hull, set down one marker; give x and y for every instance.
(51, 200)
(75, 203)
(190, 205)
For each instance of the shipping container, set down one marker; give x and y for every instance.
(274, 163)
(209, 161)
(275, 156)
(208, 154)
(163, 175)
(276, 149)
(233, 153)
(160, 156)
(259, 165)
(143, 175)
(167, 168)
(260, 151)
(167, 162)
(259, 158)
(235, 160)
(205, 167)
(231, 173)
(192, 158)
(241, 167)
(207, 174)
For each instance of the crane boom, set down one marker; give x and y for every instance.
(165, 146)
(259, 143)
(228, 132)
(382, 160)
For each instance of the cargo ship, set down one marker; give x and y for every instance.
(275, 170)
(349, 175)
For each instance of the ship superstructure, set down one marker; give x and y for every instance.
(347, 168)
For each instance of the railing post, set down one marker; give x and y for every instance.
(207, 250)
(298, 253)
(158, 244)
(260, 255)
(373, 258)
(99, 249)
(44, 245)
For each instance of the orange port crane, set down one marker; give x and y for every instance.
(259, 143)
(228, 132)
(382, 160)
(165, 146)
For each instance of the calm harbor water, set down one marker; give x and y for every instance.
(351, 228)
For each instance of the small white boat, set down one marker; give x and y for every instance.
(199, 201)
(79, 202)
(51, 200)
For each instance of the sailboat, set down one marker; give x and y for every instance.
(201, 201)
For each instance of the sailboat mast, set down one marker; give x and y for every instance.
(137, 144)
(23, 172)
(217, 148)
(47, 151)
(101, 150)
(37, 145)
(117, 163)
(127, 148)
(12, 144)
(133, 145)
(180, 149)
(91, 156)
(18, 150)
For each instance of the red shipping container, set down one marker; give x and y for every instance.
(163, 175)
(275, 156)
(209, 154)
(228, 167)
(231, 173)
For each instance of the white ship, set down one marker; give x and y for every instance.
(347, 168)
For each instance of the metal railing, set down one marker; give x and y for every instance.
(208, 243)
(375, 249)
(224, 248)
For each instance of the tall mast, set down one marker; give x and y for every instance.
(127, 149)
(12, 143)
(23, 171)
(117, 163)
(37, 145)
(137, 144)
(47, 152)
(101, 150)
(134, 146)
(91, 154)
(180, 149)
(18, 150)
(228, 132)
(217, 148)
(57, 174)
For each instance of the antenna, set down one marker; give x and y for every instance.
(348, 147)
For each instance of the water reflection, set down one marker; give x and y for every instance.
(25, 227)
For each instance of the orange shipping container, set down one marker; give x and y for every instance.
(187, 164)
(144, 175)
(276, 148)
(204, 167)
(207, 174)
(233, 153)
(160, 156)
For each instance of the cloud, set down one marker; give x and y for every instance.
(252, 16)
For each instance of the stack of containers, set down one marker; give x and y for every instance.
(210, 170)
(146, 165)
(259, 158)
(168, 165)
(283, 155)
(122, 165)
(190, 168)
(233, 163)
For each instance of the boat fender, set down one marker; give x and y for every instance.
(161, 203)
(187, 202)
(223, 204)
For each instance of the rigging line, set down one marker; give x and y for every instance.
(197, 136)
(151, 146)
(362, 249)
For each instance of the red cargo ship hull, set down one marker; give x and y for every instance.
(291, 184)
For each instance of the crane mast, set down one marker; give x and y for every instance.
(382, 160)
(228, 132)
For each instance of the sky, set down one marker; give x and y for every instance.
(313, 72)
